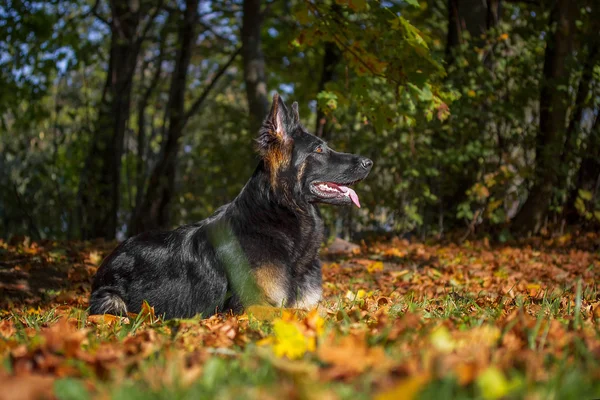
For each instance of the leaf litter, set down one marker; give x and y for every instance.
(399, 320)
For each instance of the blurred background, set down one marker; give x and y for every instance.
(119, 116)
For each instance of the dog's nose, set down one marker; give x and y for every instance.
(366, 163)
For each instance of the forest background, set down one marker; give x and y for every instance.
(122, 116)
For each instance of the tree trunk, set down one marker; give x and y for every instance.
(588, 173)
(453, 37)
(101, 177)
(553, 113)
(493, 13)
(574, 129)
(142, 162)
(475, 17)
(254, 64)
(154, 212)
(331, 58)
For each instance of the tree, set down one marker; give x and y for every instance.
(470, 25)
(254, 63)
(99, 195)
(553, 116)
(154, 211)
(331, 58)
(587, 189)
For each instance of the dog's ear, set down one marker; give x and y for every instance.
(295, 113)
(274, 139)
(274, 131)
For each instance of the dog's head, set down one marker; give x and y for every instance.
(302, 165)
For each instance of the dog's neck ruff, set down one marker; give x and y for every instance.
(259, 195)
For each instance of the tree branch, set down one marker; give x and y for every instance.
(94, 12)
(198, 102)
(208, 28)
(146, 28)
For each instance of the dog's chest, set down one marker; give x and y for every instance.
(309, 239)
(291, 276)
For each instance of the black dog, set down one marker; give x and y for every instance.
(260, 248)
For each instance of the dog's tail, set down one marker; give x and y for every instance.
(107, 301)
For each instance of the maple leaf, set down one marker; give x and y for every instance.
(351, 356)
(95, 257)
(376, 266)
(293, 337)
(106, 319)
(289, 340)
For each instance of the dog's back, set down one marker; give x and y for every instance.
(177, 272)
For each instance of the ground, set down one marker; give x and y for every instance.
(399, 320)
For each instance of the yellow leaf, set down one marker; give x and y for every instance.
(264, 313)
(442, 340)
(585, 194)
(265, 341)
(494, 205)
(314, 321)
(95, 257)
(407, 389)
(290, 341)
(471, 93)
(361, 293)
(33, 311)
(376, 266)
(394, 252)
(493, 384)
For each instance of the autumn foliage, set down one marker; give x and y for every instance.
(399, 320)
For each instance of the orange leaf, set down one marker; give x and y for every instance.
(405, 390)
(105, 319)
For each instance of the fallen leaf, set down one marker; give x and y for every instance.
(26, 387)
(407, 389)
(351, 356)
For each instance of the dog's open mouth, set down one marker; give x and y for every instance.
(330, 190)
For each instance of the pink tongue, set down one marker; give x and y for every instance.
(353, 195)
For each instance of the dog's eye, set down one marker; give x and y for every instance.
(319, 149)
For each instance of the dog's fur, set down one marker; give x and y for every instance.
(260, 248)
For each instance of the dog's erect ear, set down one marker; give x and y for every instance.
(274, 139)
(274, 130)
(295, 113)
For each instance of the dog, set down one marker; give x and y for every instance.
(262, 248)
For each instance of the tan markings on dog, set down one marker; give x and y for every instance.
(301, 171)
(276, 159)
(271, 279)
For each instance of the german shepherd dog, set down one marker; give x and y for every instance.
(262, 248)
